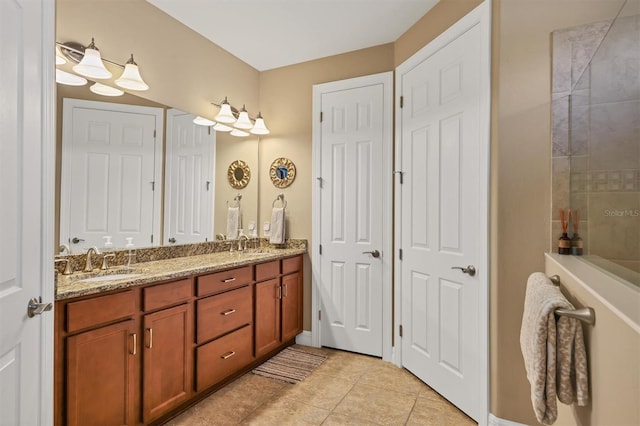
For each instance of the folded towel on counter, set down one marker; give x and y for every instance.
(553, 352)
(277, 226)
(233, 222)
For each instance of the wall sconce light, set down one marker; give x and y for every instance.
(231, 120)
(104, 90)
(69, 79)
(89, 63)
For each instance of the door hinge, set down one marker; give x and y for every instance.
(151, 238)
(400, 330)
(154, 133)
(321, 116)
(320, 250)
(208, 185)
(401, 101)
(319, 315)
(400, 254)
(153, 185)
(401, 173)
(319, 179)
(208, 130)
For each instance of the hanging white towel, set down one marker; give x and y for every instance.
(233, 222)
(277, 226)
(554, 353)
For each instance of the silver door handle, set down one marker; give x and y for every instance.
(374, 253)
(36, 307)
(172, 240)
(76, 240)
(471, 270)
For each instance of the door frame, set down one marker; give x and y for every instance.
(67, 134)
(386, 79)
(481, 16)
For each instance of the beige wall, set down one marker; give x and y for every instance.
(521, 170)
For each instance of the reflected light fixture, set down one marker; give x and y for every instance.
(239, 133)
(225, 115)
(243, 121)
(201, 121)
(259, 128)
(69, 79)
(219, 127)
(60, 60)
(91, 64)
(104, 90)
(130, 78)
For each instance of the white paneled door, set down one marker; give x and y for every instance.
(189, 186)
(354, 251)
(26, 211)
(111, 169)
(442, 221)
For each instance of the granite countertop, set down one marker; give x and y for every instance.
(69, 286)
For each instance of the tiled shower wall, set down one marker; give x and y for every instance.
(596, 136)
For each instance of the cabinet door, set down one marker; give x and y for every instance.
(101, 375)
(168, 360)
(291, 306)
(267, 316)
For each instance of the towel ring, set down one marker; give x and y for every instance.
(236, 201)
(280, 198)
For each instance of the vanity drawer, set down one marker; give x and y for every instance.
(159, 296)
(267, 270)
(223, 357)
(100, 310)
(223, 281)
(292, 264)
(217, 315)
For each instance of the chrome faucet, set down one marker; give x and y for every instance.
(242, 238)
(88, 267)
(67, 265)
(63, 248)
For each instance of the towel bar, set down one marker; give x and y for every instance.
(587, 315)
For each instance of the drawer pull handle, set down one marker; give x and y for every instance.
(135, 343)
(229, 312)
(228, 355)
(150, 331)
(228, 280)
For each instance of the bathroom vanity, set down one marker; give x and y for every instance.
(139, 349)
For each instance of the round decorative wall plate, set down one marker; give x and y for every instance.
(282, 172)
(238, 174)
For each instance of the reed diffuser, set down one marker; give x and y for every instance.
(576, 240)
(564, 243)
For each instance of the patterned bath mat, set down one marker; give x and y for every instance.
(291, 365)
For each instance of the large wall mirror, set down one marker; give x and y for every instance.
(227, 149)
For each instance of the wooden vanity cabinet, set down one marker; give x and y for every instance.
(278, 316)
(167, 371)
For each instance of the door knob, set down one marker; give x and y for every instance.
(76, 240)
(471, 270)
(36, 307)
(172, 240)
(374, 253)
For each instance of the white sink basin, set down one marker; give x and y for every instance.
(108, 278)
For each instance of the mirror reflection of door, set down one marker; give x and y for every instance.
(189, 186)
(282, 172)
(111, 155)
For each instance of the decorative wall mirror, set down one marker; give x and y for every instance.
(282, 172)
(238, 174)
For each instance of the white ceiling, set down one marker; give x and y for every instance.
(269, 34)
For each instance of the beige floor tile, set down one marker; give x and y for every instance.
(286, 412)
(432, 412)
(347, 366)
(388, 376)
(338, 420)
(319, 390)
(377, 405)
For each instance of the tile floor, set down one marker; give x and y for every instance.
(347, 389)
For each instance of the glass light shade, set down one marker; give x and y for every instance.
(219, 127)
(243, 121)
(104, 90)
(239, 133)
(201, 121)
(225, 115)
(130, 78)
(60, 60)
(91, 65)
(259, 128)
(69, 79)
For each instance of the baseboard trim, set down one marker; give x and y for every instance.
(304, 338)
(497, 421)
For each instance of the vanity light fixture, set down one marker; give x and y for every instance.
(228, 116)
(201, 121)
(130, 78)
(239, 133)
(69, 79)
(91, 64)
(104, 90)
